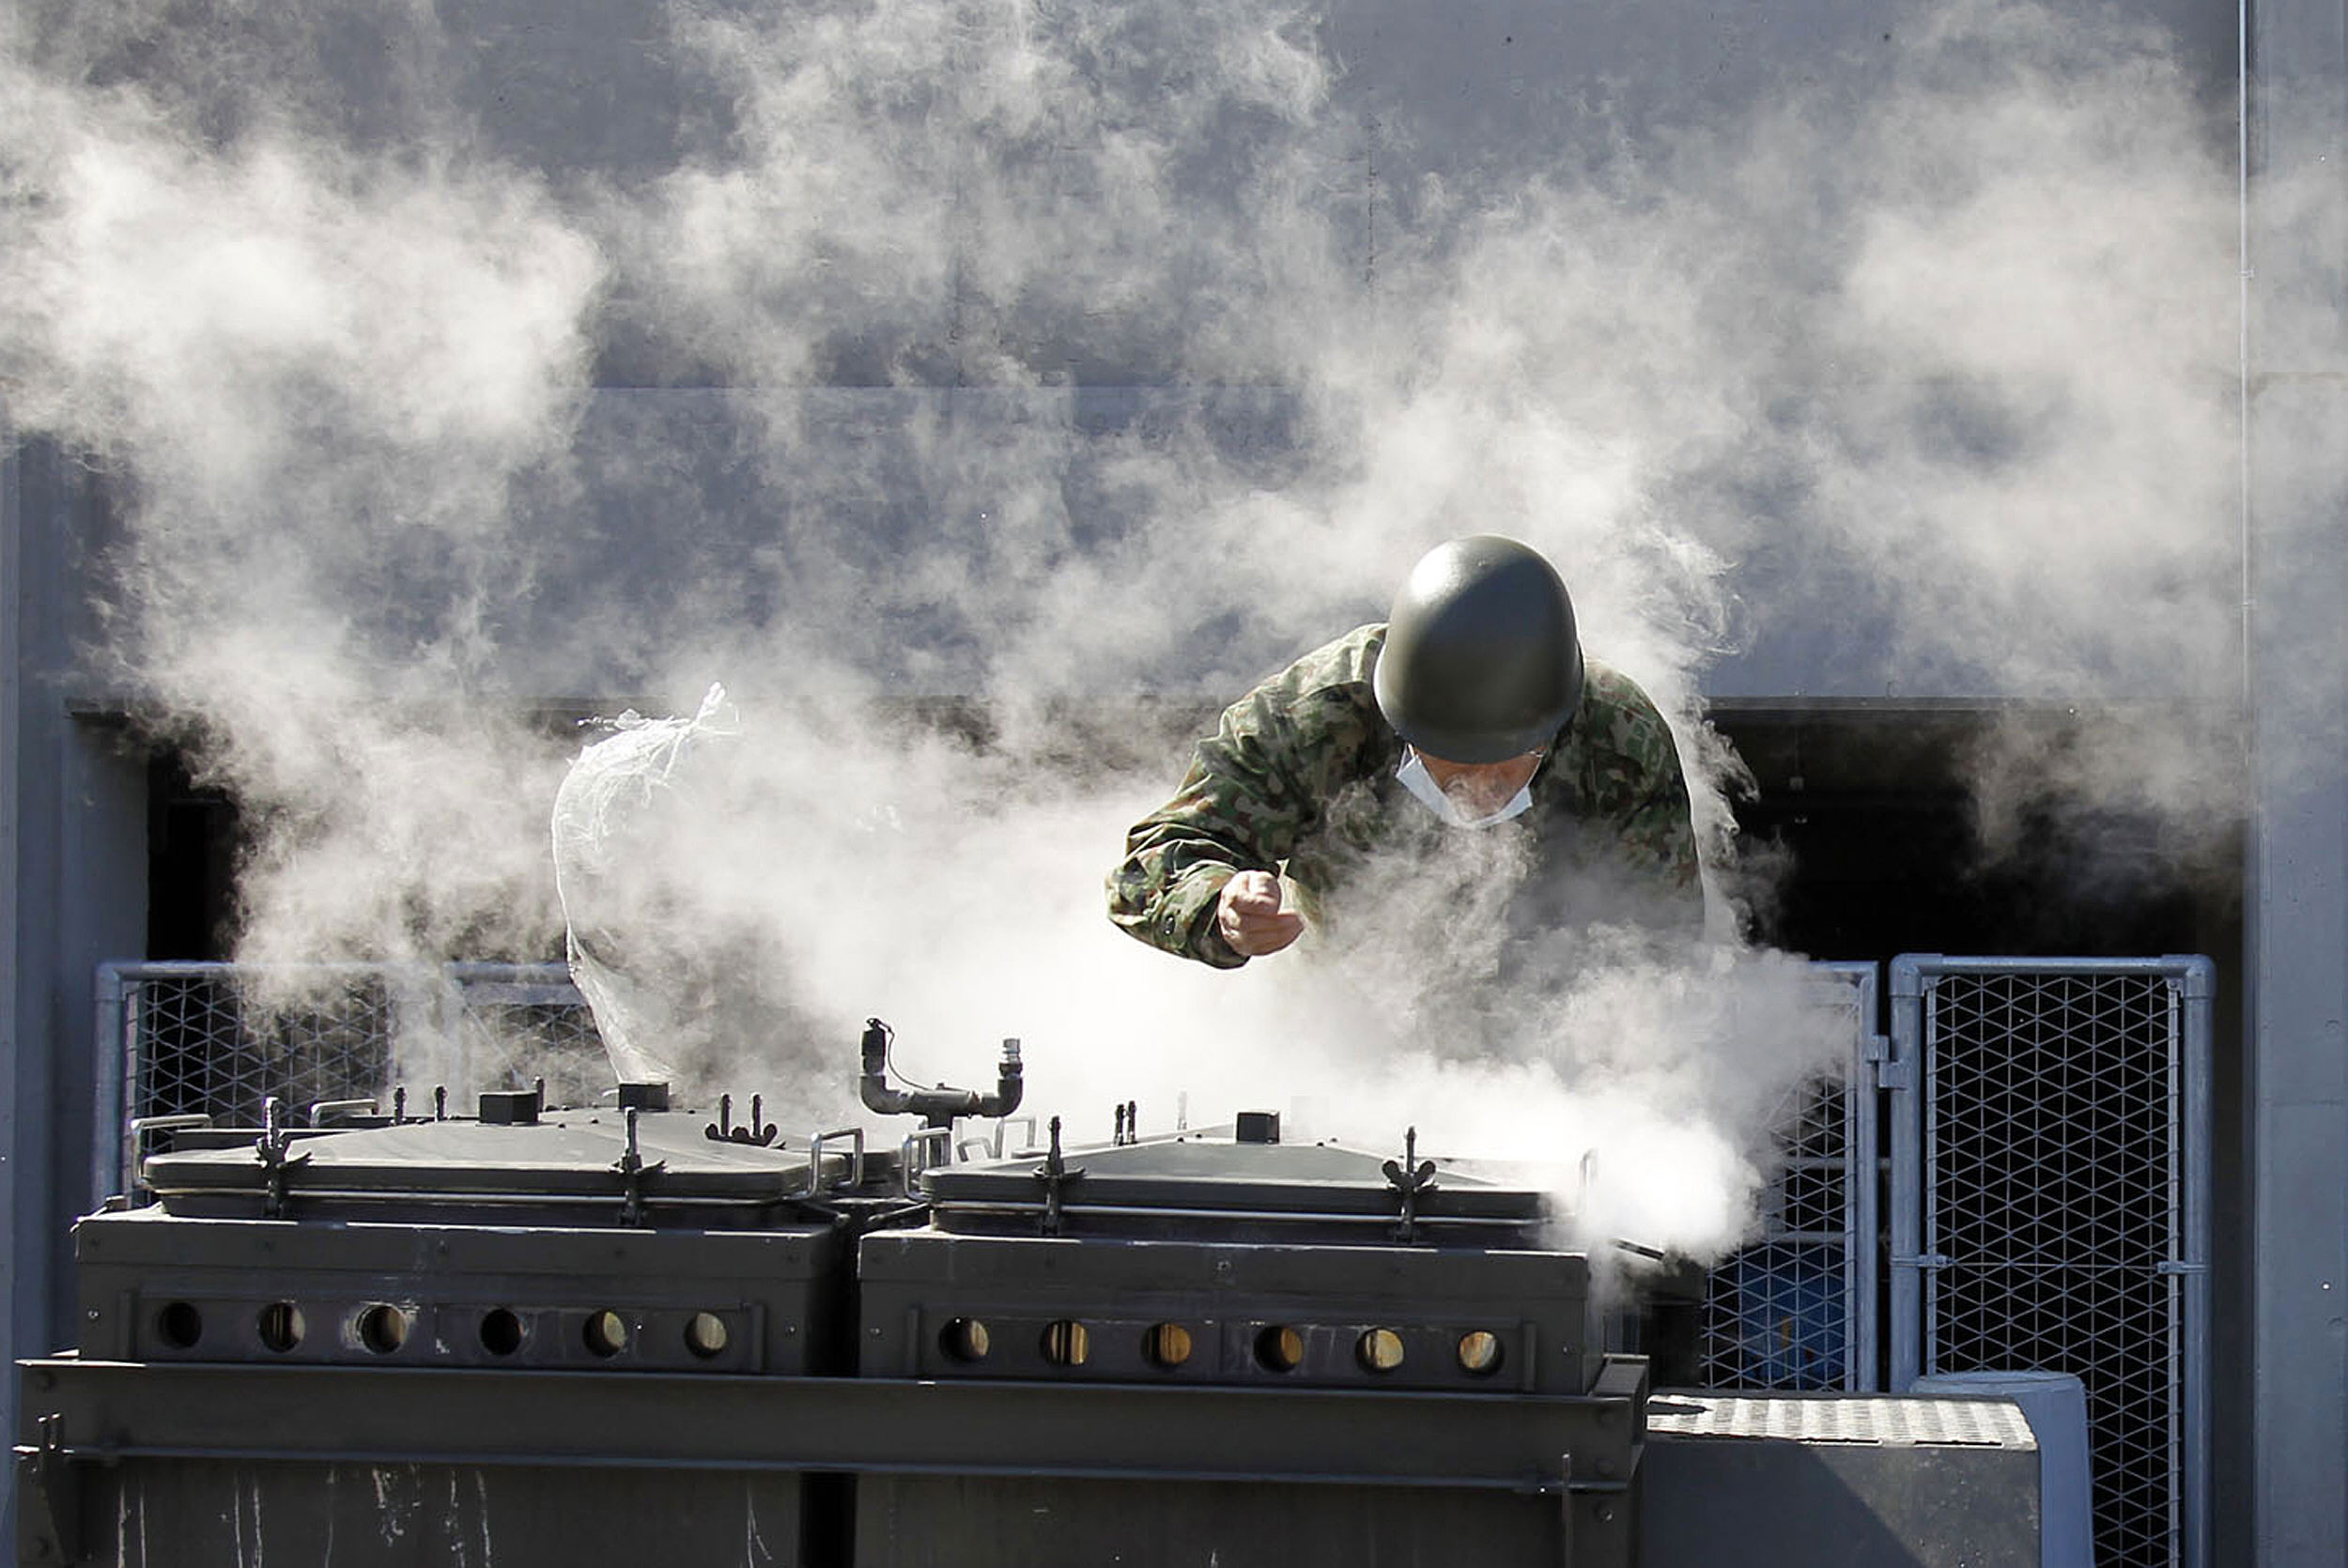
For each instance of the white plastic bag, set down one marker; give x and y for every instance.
(650, 961)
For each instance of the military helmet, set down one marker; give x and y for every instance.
(1481, 662)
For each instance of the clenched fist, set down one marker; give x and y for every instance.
(1248, 916)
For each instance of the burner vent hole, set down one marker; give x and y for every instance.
(706, 1335)
(1066, 1342)
(1166, 1345)
(180, 1325)
(384, 1329)
(1479, 1353)
(500, 1331)
(965, 1340)
(1279, 1348)
(606, 1333)
(281, 1325)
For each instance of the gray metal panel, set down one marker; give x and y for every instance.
(999, 1522)
(2295, 498)
(185, 1512)
(22, 1039)
(1905, 1307)
(1519, 1443)
(2051, 1178)
(1793, 1482)
(2197, 1003)
(1544, 1470)
(20, 1036)
(1868, 1189)
(72, 885)
(1012, 1522)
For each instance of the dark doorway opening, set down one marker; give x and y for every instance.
(193, 832)
(1872, 821)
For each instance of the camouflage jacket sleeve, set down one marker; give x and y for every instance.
(1255, 787)
(1632, 780)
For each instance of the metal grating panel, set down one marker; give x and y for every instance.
(2052, 1208)
(1884, 1419)
(1796, 1309)
(522, 1023)
(219, 1039)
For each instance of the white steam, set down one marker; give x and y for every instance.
(781, 882)
(1081, 352)
(318, 376)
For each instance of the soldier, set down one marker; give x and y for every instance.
(1470, 711)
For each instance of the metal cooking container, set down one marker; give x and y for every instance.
(1237, 1315)
(1206, 1260)
(463, 1244)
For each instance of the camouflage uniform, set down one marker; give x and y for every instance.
(1298, 777)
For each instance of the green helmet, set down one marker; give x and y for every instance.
(1481, 662)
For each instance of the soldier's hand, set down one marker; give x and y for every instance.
(1249, 916)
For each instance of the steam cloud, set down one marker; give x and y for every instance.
(1080, 352)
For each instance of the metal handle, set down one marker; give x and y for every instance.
(141, 1125)
(321, 1110)
(916, 1156)
(816, 1160)
(1027, 1122)
(167, 1123)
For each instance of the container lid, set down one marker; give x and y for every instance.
(567, 1155)
(1206, 1173)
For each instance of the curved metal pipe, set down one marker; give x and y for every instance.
(939, 1105)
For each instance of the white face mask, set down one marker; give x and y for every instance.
(1413, 776)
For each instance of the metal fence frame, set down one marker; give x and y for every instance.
(1779, 1246)
(1912, 1075)
(441, 998)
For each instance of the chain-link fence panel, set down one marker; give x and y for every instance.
(1796, 1307)
(524, 1025)
(180, 1043)
(2050, 1178)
